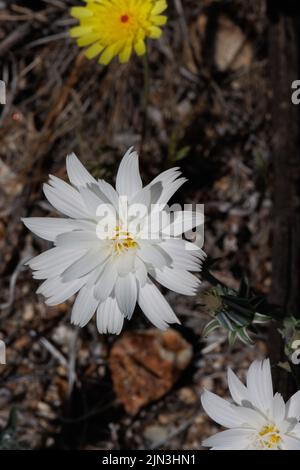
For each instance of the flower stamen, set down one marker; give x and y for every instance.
(269, 437)
(123, 241)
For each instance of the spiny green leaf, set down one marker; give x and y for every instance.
(231, 338)
(240, 305)
(238, 319)
(260, 318)
(210, 327)
(225, 322)
(244, 337)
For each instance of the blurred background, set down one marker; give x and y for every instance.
(210, 113)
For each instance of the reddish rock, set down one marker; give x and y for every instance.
(146, 364)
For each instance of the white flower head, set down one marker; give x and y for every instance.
(259, 420)
(113, 242)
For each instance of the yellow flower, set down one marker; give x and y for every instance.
(117, 27)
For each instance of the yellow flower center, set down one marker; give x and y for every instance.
(116, 27)
(269, 437)
(122, 241)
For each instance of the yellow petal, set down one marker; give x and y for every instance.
(159, 20)
(87, 39)
(99, 24)
(81, 12)
(155, 32)
(159, 7)
(140, 47)
(78, 31)
(94, 50)
(110, 52)
(125, 54)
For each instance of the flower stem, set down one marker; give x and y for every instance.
(146, 96)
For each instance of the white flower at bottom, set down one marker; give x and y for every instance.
(108, 251)
(259, 420)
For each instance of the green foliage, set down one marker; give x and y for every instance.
(236, 311)
(176, 153)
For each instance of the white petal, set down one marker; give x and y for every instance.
(87, 225)
(278, 409)
(129, 180)
(108, 194)
(237, 389)
(168, 184)
(259, 384)
(182, 256)
(126, 294)
(125, 263)
(161, 193)
(91, 200)
(48, 228)
(63, 259)
(267, 380)
(153, 192)
(290, 442)
(106, 281)
(144, 197)
(95, 275)
(65, 291)
(49, 287)
(78, 239)
(64, 198)
(140, 271)
(100, 192)
(153, 225)
(87, 263)
(169, 190)
(153, 255)
(77, 173)
(296, 430)
(235, 439)
(109, 317)
(293, 406)
(155, 306)
(220, 410)
(177, 280)
(166, 177)
(84, 307)
(183, 222)
(251, 417)
(49, 258)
